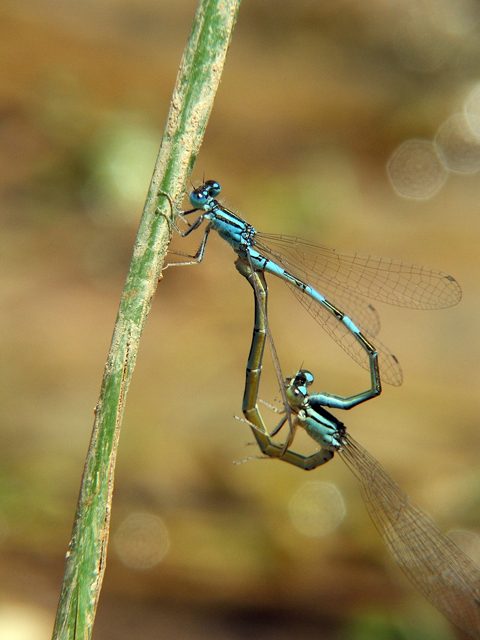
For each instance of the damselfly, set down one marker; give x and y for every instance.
(312, 270)
(434, 564)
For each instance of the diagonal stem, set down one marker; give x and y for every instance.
(197, 82)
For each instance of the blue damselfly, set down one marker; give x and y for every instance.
(312, 270)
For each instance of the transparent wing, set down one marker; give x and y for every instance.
(384, 279)
(363, 314)
(390, 369)
(432, 562)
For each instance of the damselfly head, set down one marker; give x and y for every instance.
(296, 387)
(202, 195)
(303, 378)
(212, 187)
(296, 396)
(199, 197)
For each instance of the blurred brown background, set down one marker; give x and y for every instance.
(315, 97)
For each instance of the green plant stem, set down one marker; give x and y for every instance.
(190, 108)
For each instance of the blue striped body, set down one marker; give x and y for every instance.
(345, 279)
(241, 237)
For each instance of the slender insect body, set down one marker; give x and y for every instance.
(311, 270)
(434, 564)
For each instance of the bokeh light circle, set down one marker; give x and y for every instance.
(141, 541)
(458, 145)
(316, 509)
(416, 170)
(472, 110)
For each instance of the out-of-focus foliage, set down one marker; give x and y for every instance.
(315, 99)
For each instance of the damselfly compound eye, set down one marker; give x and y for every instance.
(198, 198)
(213, 188)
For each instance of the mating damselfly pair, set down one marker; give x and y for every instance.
(439, 569)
